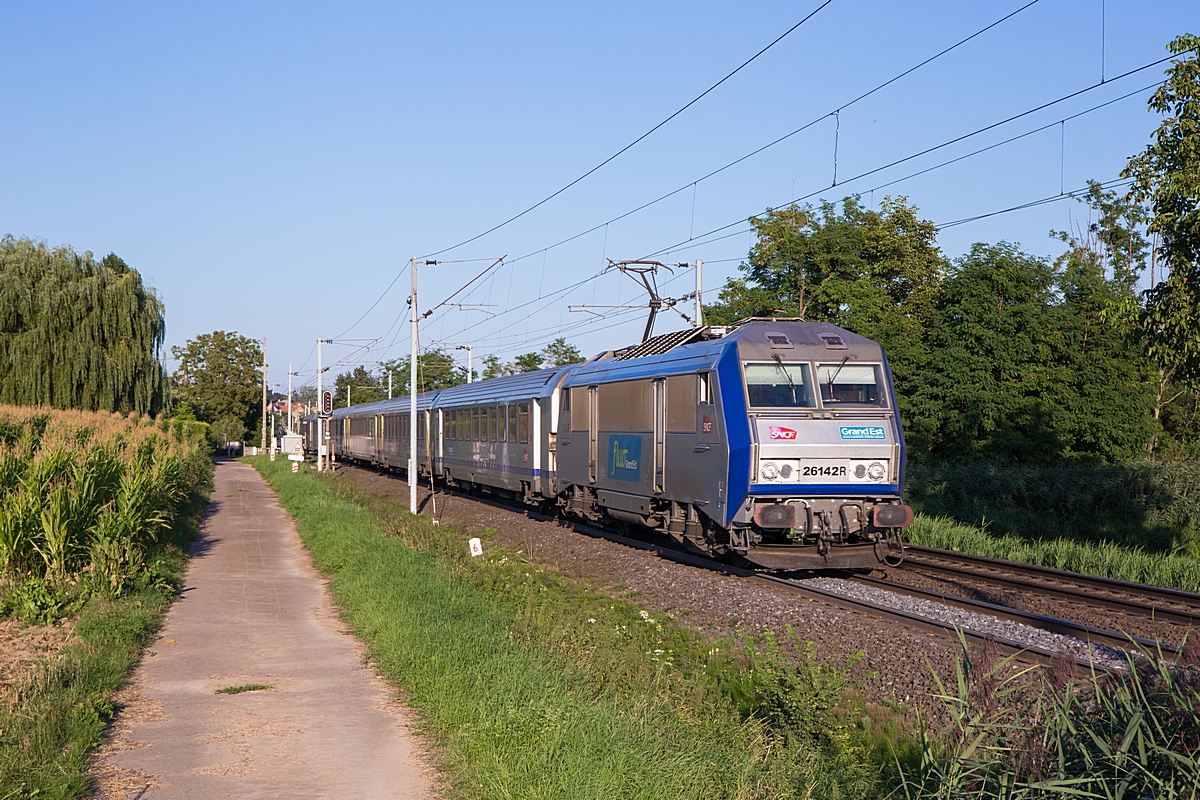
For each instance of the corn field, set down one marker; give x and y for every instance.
(85, 497)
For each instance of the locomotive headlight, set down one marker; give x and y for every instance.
(769, 471)
(876, 471)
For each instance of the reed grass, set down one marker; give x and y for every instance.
(1062, 732)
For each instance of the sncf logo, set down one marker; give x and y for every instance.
(782, 433)
(706, 425)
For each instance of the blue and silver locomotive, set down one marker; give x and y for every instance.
(772, 441)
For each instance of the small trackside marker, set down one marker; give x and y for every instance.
(476, 547)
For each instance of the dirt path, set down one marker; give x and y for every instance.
(253, 611)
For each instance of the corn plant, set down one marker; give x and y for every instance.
(84, 496)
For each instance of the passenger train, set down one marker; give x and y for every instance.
(770, 441)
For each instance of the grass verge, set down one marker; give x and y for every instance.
(530, 685)
(1106, 559)
(56, 712)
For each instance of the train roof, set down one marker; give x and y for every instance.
(694, 349)
(523, 385)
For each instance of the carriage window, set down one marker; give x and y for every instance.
(491, 423)
(473, 433)
(512, 422)
(681, 404)
(850, 385)
(523, 423)
(777, 384)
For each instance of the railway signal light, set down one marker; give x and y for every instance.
(327, 402)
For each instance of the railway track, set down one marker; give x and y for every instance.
(1086, 633)
(1021, 651)
(1153, 602)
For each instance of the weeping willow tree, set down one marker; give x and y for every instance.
(76, 332)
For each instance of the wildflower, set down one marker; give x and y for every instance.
(591, 620)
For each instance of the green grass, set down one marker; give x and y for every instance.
(245, 687)
(1106, 559)
(58, 710)
(1150, 505)
(529, 685)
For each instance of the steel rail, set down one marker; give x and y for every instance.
(927, 558)
(1025, 653)
(1077, 630)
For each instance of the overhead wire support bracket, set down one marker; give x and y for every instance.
(462, 288)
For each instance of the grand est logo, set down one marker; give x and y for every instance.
(785, 434)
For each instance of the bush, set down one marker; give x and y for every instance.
(1146, 504)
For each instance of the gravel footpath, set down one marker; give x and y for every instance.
(895, 667)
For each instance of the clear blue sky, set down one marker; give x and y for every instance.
(270, 168)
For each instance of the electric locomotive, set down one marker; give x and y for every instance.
(771, 441)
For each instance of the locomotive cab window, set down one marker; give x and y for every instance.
(778, 384)
(851, 385)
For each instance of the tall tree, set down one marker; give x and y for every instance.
(77, 333)
(436, 369)
(877, 273)
(1166, 176)
(220, 375)
(364, 386)
(560, 354)
(1024, 365)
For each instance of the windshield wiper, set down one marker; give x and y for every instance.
(833, 377)
(788, 375)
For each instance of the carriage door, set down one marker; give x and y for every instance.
(660, 432)
(593, 437)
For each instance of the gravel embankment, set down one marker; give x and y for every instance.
(1037, 603)
(896, 664)
(973, 622)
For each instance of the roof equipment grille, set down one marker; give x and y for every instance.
(833, 341)
(779, 341)
(660, 344)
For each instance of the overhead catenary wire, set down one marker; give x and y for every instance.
(708, 237)
(615, 155)
(928, 150)
(703, 241)
(694, 184)
(779, 140)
